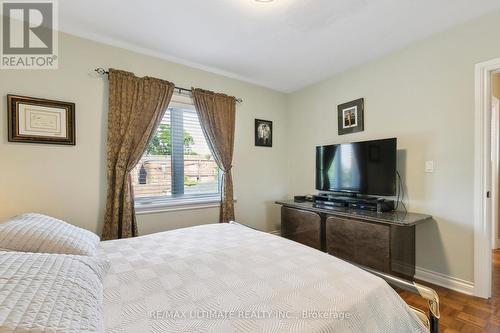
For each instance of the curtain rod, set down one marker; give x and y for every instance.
(102, 71)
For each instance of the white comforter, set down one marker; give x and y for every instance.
(50, 293)
(229, 278)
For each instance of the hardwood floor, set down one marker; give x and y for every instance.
(462, 313)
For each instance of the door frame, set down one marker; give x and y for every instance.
(482, 178)
(495, 139)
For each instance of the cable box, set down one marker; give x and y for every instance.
(368, 203)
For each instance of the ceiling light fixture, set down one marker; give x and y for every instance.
(264, 0)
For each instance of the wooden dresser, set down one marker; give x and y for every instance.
(382, 241)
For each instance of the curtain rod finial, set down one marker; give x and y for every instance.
(101, 71)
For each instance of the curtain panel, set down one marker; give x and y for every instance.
(136, 107)
(217, 114)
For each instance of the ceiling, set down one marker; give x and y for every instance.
(284, 45)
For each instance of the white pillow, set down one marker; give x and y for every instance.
(45, 234)
(42, 292)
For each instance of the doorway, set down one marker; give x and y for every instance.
(486, 176)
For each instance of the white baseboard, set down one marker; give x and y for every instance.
(446, 281)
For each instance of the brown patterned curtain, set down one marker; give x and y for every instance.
(136, 107)
(217, 113)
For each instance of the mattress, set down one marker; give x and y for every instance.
(230, 278)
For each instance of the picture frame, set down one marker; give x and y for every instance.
(263, 133)
(350, 117)
(37, 120)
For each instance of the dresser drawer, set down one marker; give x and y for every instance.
(364, 243)
(301, 226)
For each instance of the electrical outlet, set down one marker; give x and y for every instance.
(429, 166)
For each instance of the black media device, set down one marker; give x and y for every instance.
(303, 198)
(354, 171)
(367, 203)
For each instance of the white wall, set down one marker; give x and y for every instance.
(424, 96)
(70, 182)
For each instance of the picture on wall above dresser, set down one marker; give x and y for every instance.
(351, 117)
(37, 120)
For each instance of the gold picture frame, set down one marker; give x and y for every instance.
(37, 120)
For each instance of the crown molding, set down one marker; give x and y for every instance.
(164, 56)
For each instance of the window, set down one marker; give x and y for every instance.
(177, 163)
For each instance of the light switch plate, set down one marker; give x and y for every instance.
(429, 166)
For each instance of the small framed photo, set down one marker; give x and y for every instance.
(263, 133)
(351, 117)
(36, 120)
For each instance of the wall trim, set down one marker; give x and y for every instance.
(443, 280)
(482, 178)
(99, 38)
(146, 211)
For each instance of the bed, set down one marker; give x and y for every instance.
(230, 278)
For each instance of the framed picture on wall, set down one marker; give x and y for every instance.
(351, 117)
(36, 120)
(263, 133)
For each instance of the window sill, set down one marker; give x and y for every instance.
(177, 204)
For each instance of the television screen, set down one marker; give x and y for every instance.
(367, 167)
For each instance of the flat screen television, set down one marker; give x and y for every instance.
(367, 168)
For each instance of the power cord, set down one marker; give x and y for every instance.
(401, 193)
(398, 192)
